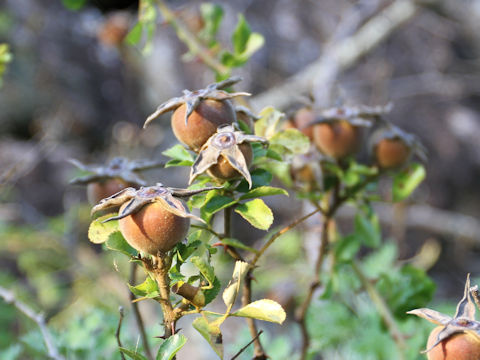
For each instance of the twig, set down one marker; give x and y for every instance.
(117, 333)
(246, 346)
(190, 39)
(383, 309)
(340, 56)
(279, 233)
(39, 319)
(258, 352)
(137, 315)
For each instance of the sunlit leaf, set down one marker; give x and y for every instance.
(291, 140)
(263, 191)
(269, 122)
(231, 291)
(211, 333)
(405, 182)
(257, 213)
(266, 309)
(99, 232)
(149, 288)
(178, 152)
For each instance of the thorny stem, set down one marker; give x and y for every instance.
(383, 309)
(190, 39)
(136, 313)
(160, 271)
(117, 333)
(39, 319)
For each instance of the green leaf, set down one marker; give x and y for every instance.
(263, 191)
(266, 309)
(260, 177)
(405, 182)
(205, 269)
(134, 35)
(290, 141)
(368, 229)
(238, 244)
(149, 288)
(117, 242)
(212, 15)
(132, 354)
(347, 247)
(269, 122)
(99, 232)
(175, 162)
(405, 289)
(214, 203)
(254, 43)
(231, 291)
(74, 4)
(170, 347)
(240, 35)
(280, 169)
(178, 152)
(211, 294)
(257, 213)
(211, 333)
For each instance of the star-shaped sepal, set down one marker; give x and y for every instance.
(225, 143)
(118, 168)
(135, 200)
(462, 322)
(193, 98)
(361, 115)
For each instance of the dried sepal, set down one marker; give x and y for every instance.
(117, 168)
(462, 322)
(193, 98)
(224, 143)
(135, 200)
(392, 132)
(360, 115)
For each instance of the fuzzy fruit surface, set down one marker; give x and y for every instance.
(461, 346)
(391, 153)
(223, 170)
(202, 123)
(97, 191)
(337, 139)
(153, 229)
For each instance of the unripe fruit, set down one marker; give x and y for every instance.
(203, 122)
(224, 170)
(153, 228)
(337, 138)
(461, 346)
(97, 191)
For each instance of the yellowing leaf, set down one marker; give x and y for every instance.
(266, 309)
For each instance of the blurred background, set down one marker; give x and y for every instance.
(75, 89)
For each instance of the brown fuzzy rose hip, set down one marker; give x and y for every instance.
(151, 219)
(461, 346)
(225, 171)
(337, 139)
(391, 153)
(197, 114)
(153, 228)
(456, 338)
(202, 123)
